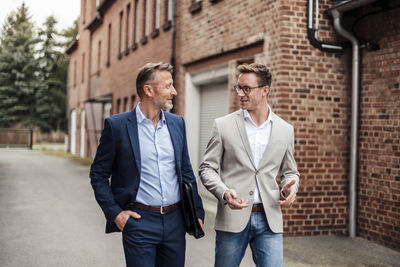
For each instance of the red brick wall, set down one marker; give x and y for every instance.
(379, 172)
(309, 90)
(119, 77)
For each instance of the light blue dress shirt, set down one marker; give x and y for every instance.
(158, 181)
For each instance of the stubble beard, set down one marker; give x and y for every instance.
(167, 107)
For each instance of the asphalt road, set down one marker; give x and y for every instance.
(49, 217)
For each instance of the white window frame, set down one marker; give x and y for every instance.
(147, 18)
(158, 10)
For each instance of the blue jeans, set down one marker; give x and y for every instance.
(266, 246)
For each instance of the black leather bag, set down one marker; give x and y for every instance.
(191, 221)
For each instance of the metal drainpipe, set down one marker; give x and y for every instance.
(354, 119)
(313, 30)
(336, 12)
(173, 46)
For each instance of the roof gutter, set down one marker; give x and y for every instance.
(336, 12)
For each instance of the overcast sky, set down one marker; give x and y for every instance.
(65, 11)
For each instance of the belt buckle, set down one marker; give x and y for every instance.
(162, 209)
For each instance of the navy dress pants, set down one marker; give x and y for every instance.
(155, 240)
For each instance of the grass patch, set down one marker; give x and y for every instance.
(48, 146)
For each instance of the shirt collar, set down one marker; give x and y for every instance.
(140, 116)
(247, 116)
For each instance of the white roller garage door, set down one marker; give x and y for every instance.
(214, 103)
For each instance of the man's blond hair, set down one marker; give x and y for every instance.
(260, 70)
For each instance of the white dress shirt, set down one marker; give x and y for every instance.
(258, 138)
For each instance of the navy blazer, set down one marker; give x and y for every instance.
(118, 157)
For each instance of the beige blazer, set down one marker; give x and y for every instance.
(228, 164)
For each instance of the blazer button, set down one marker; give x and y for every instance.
(251, 193)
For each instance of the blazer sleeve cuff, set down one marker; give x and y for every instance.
(113, 213)
(220, 194)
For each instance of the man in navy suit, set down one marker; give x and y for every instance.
(145, 153)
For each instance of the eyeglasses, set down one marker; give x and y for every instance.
(245, 89)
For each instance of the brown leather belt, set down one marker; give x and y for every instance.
(257, 208)
(158, 209)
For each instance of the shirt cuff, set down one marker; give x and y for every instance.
(223, 196)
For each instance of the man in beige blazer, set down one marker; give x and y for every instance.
(247, 150)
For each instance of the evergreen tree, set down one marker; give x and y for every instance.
(70, 34)
(50, 96)
(18, 69)
(7, 28)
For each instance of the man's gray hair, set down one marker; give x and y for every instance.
(146, 74)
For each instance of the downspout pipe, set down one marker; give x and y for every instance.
(336, 12)
(173, 46)
(173, 33)
(354, 119)
(312, 32)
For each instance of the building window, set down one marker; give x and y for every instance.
(121, 42)
(170, 11)
(158, 10)
(195, 6)
(98, 58)
(133, 98)
(118, 110)
(147, 16)
(107, 109)
(129, 26)
(83, 133)
(126, 107)
(167, 15)
(146, 21)
(73, 132)
(136, 30)
(83, 68)
(74, 72)
(83, 11)
(156, 18)
(108, 45)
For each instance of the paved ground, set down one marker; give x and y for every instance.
(49, 218)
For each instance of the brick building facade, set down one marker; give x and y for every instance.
(115, 38)
(311, 89)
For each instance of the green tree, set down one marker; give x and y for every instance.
(18, 69)
(70, 34)
(50, 95)
(7, 28)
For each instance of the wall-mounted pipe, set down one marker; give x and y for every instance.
(312, 31)
(336, 12)
(173, 47)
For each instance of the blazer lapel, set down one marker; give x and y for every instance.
(243, 135)
(132, 128)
